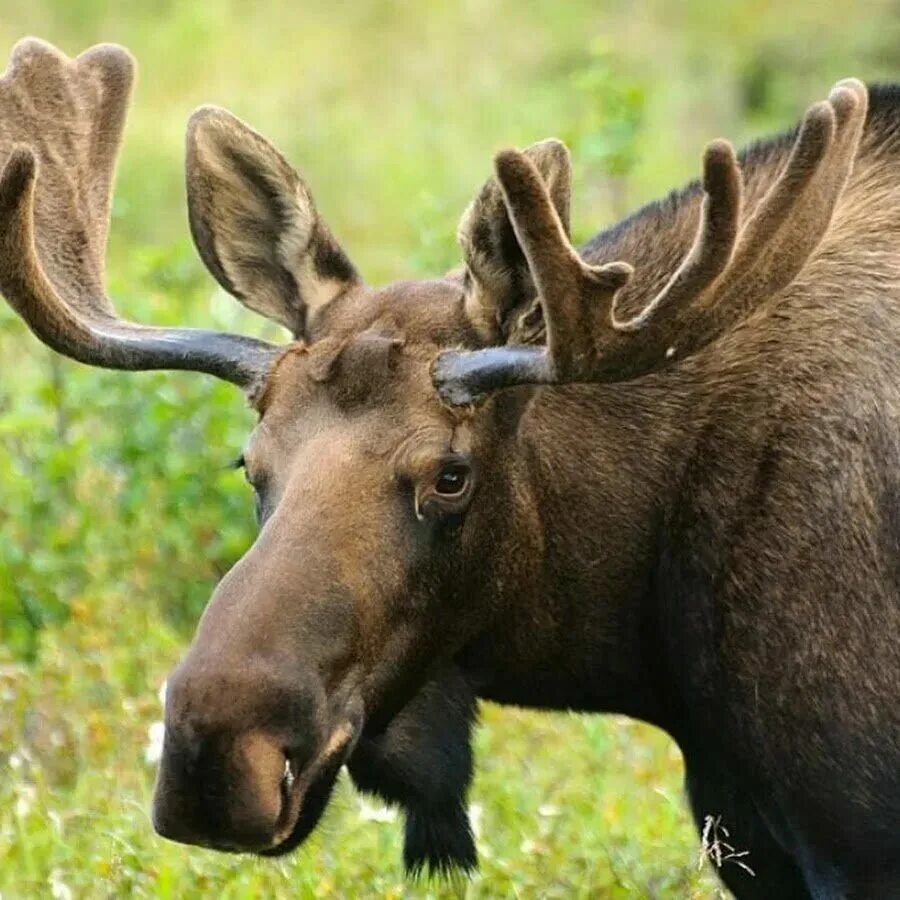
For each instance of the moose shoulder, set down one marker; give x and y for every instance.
(658, 476)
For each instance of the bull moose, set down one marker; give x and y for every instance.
(657, 475)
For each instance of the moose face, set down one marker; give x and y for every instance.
(366, 488)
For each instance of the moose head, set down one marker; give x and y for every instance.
(405, 553)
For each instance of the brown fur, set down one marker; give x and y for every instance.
(712, 546)
(255, 223)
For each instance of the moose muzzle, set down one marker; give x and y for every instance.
(229, 794)
(257, 726)
(265, 708)
(248, 763)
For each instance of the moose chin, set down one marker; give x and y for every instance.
(657, 475)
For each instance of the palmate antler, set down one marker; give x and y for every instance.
(728, 269)
(61, 124)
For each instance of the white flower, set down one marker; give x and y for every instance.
(549, 811)
(153, 751)
(369, 812)
(25, 798)
(56, 819)
(476, 814)
(529, 846)
(59, 890)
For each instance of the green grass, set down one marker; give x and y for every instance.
(116, 515)
(566, 806)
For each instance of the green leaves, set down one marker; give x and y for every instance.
(114, 481)
(605, 137)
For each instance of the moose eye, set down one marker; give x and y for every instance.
(258, 487)
(452, 480)
(241, 463)
(446, 494)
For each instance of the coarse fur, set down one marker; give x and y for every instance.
(712, 545)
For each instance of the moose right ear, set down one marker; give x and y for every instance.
(499, 286)
(256, 226)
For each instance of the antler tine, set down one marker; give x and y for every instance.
(792, 218)
(62, 120)
(108, 74)
(713, 246)
(810, 149)
(571, 291)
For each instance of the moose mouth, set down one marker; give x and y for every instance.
(306, 795)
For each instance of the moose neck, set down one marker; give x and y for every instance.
(574, 582)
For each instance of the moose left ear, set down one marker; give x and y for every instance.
(499, 286)
(256, 226)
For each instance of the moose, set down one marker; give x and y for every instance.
(657, 475)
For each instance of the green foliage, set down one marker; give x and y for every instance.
(116, 480)
(117, 511)
(605, 135)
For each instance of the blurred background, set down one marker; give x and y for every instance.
(117, 512)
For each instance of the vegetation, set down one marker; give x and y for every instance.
(118, 512)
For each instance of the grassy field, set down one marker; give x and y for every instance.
(117, 515)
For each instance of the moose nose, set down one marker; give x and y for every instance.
(229, 759)
(233, 803)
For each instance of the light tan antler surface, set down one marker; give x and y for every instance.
(70, 113)
(61, 124)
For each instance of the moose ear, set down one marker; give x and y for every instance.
(499, 286)
(255, 224)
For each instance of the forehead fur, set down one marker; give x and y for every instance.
(370, 342)
(373, 372)
(424, 312)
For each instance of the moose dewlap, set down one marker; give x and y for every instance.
(657, 475)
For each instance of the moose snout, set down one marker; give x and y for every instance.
(230, 804)
(234, 743)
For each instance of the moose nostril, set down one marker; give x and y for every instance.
(287, 780)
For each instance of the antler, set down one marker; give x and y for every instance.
(61, 124)
(728, 269)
